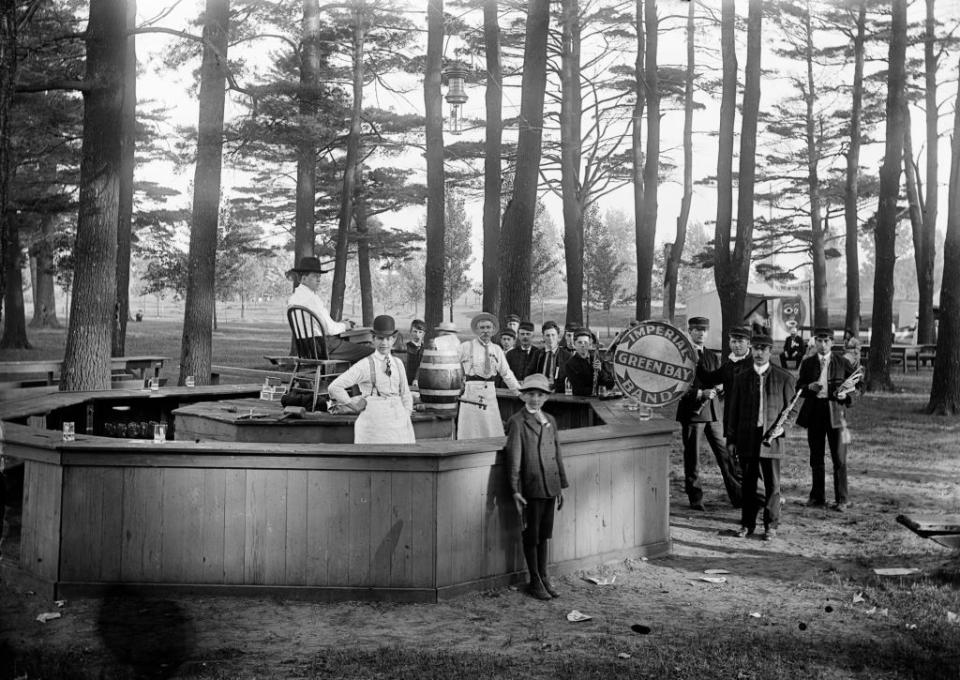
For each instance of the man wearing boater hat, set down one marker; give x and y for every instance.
(482, 360)
(305, 295)
(698, 412)
(822, 413)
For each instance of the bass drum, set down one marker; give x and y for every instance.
(440, 378)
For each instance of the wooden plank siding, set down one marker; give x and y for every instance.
(40, 522)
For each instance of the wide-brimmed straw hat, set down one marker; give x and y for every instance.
(484, 316)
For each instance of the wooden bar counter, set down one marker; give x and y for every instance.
(410, 522)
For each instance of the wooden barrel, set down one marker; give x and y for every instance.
(440, 379)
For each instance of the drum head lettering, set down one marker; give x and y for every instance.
(654, 362)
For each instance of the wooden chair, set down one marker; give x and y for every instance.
(312, 364)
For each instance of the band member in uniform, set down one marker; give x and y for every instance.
(793, 348)
(523, 357)
(756, 399)
(512, 321)
(823, 416)
(415, 349)
(305, 295)
(385, 402)
(552, 357)
(566, 342)
(736, 361)
(482, 360)
(698, 412)
(584, 369)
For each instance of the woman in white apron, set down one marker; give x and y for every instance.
(385, 403)
(482, 360)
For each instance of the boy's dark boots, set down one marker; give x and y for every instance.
(535, 588)
(542, 565)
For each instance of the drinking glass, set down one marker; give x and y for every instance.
(68, 431)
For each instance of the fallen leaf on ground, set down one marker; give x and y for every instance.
(895, 571)
(576, 616)
(714, 579)
(623, 655)
(756, 615)
(48, 616)
(952, 618)
(601, 580)
(715, 571)
(857, 597)
(59, 603)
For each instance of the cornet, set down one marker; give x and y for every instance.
(850, 384)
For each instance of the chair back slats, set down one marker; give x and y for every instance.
(307, 333)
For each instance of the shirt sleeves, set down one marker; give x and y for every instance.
(355, 375)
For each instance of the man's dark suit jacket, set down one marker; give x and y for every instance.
(837, 372)
(523, 363)
(688, 404)
(744, 405)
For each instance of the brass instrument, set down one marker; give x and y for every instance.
(776, 429)
(850, 384)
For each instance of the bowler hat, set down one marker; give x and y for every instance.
(536, 381)
(446, 327)
(484, 316)
(307, 265)
(823, 332)
(740, 332)
(698, 322)
(761, 340)
(384, 326)
(526, 326)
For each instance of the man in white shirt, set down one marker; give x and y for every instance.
(482, 360)
(309, 271)
(385, 402)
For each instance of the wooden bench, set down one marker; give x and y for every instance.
(27, 374)
(926, 353)
(944, 529)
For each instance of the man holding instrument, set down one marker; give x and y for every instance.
(824, 417)
(697, 413)
(584, 369)
(756, 400)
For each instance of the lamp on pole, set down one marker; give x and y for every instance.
(456, 95)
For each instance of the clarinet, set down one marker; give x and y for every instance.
(596, 374)
(776, 429)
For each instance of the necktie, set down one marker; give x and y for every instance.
(824, 366)
(548, 366)
(762, 411)
(386, 367)
(486, 360)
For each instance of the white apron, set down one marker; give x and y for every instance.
(384, 420)
(474, 422)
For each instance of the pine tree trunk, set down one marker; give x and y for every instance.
(125, 207)
(646, 242)
(636, 149)
(674, 253)
(363, 252)
(14, 318)
(304, 237)
(339, 287)
(729, 289)
(491, 161)
(198, 323)
(852, 182)
(516, 236)
(945, 389)
(571, 111)
(86, 364)
(915, 209)
(926, 333)
(432, 77)
(8, 68)
(44, 302)
(885, 235)
(821, 314)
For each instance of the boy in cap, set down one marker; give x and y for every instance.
(537, 478)
(507, 338)
(482, 361)
(584, 369)
(824, 416)
(385, 402)
(698, 413)
(512, 321)
(756, 399)
(308, 272)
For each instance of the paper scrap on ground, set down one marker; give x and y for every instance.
(895, 571)
(59, 603)
(714, 579)
(601, 580)
(715, 571)
(47, 616)
(952, 618)
(756, 615)
(623, 655)
(576, 616)
(911, 626)
(857, 597)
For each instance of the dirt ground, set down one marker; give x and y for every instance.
(801, 594)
